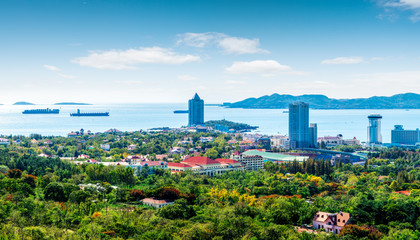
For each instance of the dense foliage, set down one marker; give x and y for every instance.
(48, 198)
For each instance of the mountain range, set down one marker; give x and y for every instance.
(277, 101)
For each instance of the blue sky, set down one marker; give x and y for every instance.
(165, 51)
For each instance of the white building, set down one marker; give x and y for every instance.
(331, 222)
(207, 166)
(251, 163)
(105, 147)
(152, 202)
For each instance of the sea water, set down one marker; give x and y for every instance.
(133, 117)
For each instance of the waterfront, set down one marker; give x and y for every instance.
(133, 117)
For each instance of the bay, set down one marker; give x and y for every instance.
(133, 117)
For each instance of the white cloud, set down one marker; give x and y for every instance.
(127, 59)
(130, 82)
(187, 78)
(235, 82)
(264, 67)
(52, 68)
(412, 5)
(200, 39)
(343, 60)
(320, 82)
(230, 45)
(67, 76)
(241, 45)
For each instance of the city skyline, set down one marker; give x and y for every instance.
(146, 51)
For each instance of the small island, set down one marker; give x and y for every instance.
(71, 103)
(23, 103)
(237, 127)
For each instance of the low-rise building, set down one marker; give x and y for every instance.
(132, 147)
(156, 203)
(331, 222)
(4, 141)
(105, 147)
(251, 162)
(206, 139)
(150, 165)
(206, 166)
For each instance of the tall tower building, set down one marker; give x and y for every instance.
(313, 135)
(299, 125)
(374, 129)
(195, 111)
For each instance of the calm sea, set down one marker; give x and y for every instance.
(130, 117)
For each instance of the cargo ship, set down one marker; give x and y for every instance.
(92, 114)
(181, 111)
(41, 111)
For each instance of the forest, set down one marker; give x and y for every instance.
(49, 198)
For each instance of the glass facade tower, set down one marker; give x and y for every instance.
(299, 125)
(195, 111)
(374, 129)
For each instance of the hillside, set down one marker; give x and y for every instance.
(23, 103)
(277, 101)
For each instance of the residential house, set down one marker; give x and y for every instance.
(105, 147)
(331, 222)
(132, 147)
(4, 141)
(152, 202)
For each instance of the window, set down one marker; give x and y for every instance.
(344, 221)
(338, 220)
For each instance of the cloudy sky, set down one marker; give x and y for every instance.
(165, 51)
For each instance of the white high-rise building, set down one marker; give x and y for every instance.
(374, 129)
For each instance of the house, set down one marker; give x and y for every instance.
(83, 156)
(206, 139)
(44, 155)
(331, 222)
(177, 150)
(151, 166)
(131, 147)
(105, 147)
(92, 161)
(4, 141)
(113, 130)
(152, 202)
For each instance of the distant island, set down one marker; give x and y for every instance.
(238, 127)
(23, 103)
(71, 103)
(277, 101)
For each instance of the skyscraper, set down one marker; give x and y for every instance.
(313, 135)
(374, 129)
(299, 125)
(195, 111)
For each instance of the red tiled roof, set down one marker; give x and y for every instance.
(155, 201)
(406, 192)
(200, 160)
(222, 160)
(172, 164)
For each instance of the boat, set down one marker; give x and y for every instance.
(89, 114)
(41, 111)
(181, 111)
